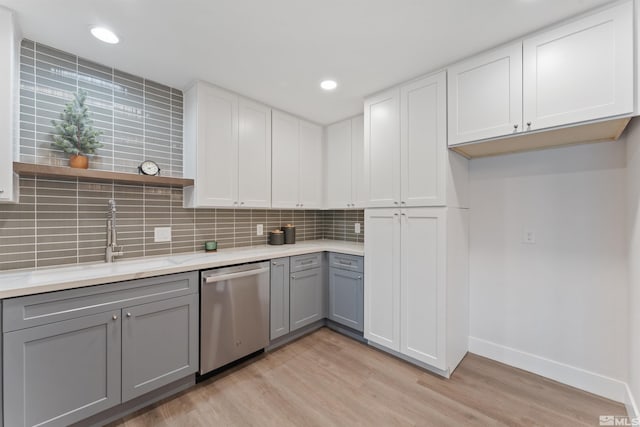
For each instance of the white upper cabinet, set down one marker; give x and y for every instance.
(406, 162)
(339, 152)
(285, 161)
(211, 146)
(8, 104)
(311, 165)
(358, 181)
(227, 149)
(423, 139)
(580, 71)
(485, 95)
(254, 155)
(382, 149)
(297, 163)
(345, 164)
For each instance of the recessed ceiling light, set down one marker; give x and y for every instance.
(328, 84)
(104, 35)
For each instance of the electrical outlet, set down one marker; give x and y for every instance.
(357, 228)
(259, 230)
(528, 237)
(162, 234)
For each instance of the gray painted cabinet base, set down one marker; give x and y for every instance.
(65, 361)
(159, 344)
(307, 296)
(279, 298)
(346, 298)
(60, 373)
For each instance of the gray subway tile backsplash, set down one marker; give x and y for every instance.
(61, 222)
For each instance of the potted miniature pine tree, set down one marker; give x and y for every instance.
(74, 133)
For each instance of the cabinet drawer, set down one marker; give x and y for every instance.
(305, 262)
(34, 310)
(346, 262)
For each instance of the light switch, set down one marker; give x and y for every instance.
(162, 234)
(259, 230)
(357, 228)
(528, 237)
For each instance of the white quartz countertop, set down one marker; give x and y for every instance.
(27, 282)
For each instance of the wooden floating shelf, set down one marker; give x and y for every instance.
(30, 169)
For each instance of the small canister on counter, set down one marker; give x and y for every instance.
(276, 237)
(289, 234)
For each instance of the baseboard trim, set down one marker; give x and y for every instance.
(630, 404)
(570, 375)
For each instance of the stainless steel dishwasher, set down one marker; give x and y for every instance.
(234, 313)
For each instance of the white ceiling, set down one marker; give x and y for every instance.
(278, 51)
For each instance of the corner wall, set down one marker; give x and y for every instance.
(557, 307)
(633, 188)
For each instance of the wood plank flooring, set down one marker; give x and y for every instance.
(326, 379)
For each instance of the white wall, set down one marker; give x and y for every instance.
(557, 307)
(633, 186)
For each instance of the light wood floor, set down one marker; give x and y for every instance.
(326, 379)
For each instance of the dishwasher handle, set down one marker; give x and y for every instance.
(222, 277)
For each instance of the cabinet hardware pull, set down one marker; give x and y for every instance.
(275, 263)
(128, 314)
(344, 262)
(529, 125)
(293, 277)
(307, 262)
(115, 317)
(359, 277)
(395, 203)
(515, 127)
(1, 191)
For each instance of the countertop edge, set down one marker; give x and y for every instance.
(226, 259)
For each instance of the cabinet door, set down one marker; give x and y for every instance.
(424, 141)
(339, 163)
(485, 95)
(306, 298)
(60, 373)
(423, 289)
(346, 298)
(310, 165)
(382, 277)
(358, 181)
(580, 71)
(382, 149)
(159, 344)
(8, 90)
(285, 161)
(217, 143)
(279, 298)
(254, 155)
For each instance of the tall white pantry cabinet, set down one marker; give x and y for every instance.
(416, 250)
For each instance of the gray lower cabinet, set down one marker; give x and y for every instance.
(63, 372)
(346, 298)
(159, 344)
(63, 362)
(307, 297)
(279, 298)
